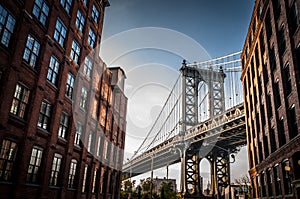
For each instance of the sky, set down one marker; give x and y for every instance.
(149, 40)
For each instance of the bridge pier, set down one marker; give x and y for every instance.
(220, 174)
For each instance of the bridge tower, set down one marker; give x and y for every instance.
(190, 172)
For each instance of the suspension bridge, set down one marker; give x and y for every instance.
(203, 117)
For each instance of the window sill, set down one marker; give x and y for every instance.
(16, 119)
(69, 99)
(51, 85)
(43, 132)
(54, 187)
(28, 67)
(6, 182)
(62, 140)
(32, 185)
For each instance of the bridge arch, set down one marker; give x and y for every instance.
(205, 170)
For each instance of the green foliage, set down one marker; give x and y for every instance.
(167, 191)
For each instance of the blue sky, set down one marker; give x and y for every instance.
(219, 26)
(203, 28)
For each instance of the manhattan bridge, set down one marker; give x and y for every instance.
(203, 117)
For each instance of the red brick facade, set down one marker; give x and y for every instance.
(271, 76)
(50, 148)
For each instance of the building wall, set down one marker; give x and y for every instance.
(98, 158)
(271, 62)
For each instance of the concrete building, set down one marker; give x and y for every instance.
(62, 111)
(271, 64)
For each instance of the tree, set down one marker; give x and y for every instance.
(244, 187)
(167, 191)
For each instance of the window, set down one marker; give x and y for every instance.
(31, 51)
(70, 86)
(92, 38)
(55, 169)
(34, 165)
(95, 14)
(94, 189)
(269, 182)
(7, 158)
(281, 134)
(79, 21)
(78, 133)
(293, 18)
(20, 101)
(60, 32)
(90, 142)
(287, 79)
(66, 4)
(277, 94)
(83, 98)
(276, 8)
(40, 11)
(99, 147)
(72, 174)
(277, 181)
(287, 177)
(292, 122)
(281, 41)
(269, 105)
(272, 59)
(75, 52)
(106, 150)
(84, 178)
(266, 147)
(268, 25)
(53, 70)
(272, 140)
(88, 66)
(45, 114)
(263, 188)
(7, 24)
(63, 125)
(262, 44)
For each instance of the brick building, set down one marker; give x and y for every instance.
(62, 111)
(271, 83)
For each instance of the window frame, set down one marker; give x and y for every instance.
(31, 51)
(72, 174)
(45, 115)
(19, 104)
(41, 12)
(95, 14)
(60, 32)
(88, 67)
(8, 26)
(56, 165)
(78, 134)
(7, 156)
(75, 52)
(35, 163)
(92, 38)
(80, 21)
(63, 125)
(53, 70)
(66, 4)
(83, 98)
(70, 85)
